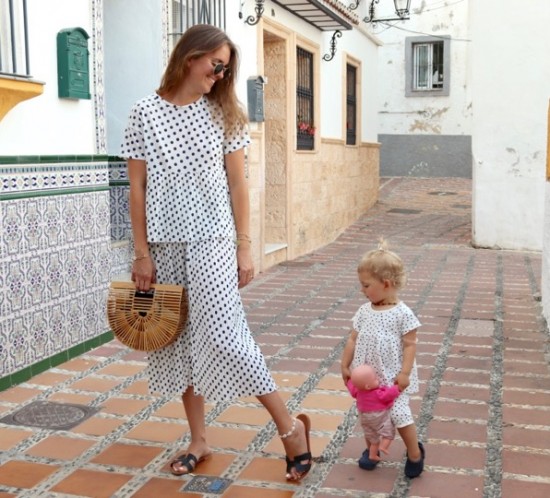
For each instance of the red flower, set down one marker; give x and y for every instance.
(306, 128)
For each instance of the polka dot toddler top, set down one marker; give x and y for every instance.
(379, 334)
(184, 146)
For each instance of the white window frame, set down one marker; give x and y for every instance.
(435, 82)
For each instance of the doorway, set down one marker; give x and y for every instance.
(276, 214)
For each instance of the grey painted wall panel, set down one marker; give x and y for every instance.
(426, 155)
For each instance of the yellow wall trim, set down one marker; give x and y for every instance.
(15, 90)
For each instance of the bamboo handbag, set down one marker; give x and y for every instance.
(150, 320)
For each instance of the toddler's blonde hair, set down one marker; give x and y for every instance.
(384, 265)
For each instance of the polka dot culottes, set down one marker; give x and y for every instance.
(216, 352)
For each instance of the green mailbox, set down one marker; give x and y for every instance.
(73, 64)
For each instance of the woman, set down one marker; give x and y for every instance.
(189, 208)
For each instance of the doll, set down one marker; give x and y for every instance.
(373, 403)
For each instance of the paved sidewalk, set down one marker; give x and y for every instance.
(483, 409)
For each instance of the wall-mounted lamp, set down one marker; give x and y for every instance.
(259, 9)
(401, 9)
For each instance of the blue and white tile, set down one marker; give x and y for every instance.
(6, 362)
(56, 325)
(16, 286)
(52, 221)
(18, 342)
(39, 330)
(54, 275)
(12, 234)
(32, 212)
(37, 289)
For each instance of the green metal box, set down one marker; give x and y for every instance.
(73, 64)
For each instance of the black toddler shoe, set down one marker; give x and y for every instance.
(414, 469)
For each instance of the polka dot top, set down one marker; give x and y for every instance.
(379, 334)
(187, 196)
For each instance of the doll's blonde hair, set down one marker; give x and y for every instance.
(384, 264)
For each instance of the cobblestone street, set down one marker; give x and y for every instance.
(483, 411)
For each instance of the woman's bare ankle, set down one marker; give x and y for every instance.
(292, 439)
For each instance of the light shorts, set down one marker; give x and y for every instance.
(401, 414)
(377, 425)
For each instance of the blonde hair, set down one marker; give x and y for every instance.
(384, 265)
(197, 41)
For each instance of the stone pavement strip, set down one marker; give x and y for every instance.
(483, 410)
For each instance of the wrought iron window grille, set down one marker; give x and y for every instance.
(14, 41)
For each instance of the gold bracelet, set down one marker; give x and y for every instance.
(137, 258)
(243, 236)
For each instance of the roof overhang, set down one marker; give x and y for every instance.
(326, 15)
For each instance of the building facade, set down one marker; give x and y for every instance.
(470, 98)
(425, 109)
(308, 79)
(459, 106)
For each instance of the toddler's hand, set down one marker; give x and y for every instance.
(346, 374)
(402, 380)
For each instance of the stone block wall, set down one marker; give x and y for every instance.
(331, 189)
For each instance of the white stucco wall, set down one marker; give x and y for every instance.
(133, 60)
(498, 95)
(545, 278)
(360, 46)
(47, 124)
(440, 115)
(510, 74)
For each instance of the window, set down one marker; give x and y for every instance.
(304, 100)
(428, 66)
(351, 105)
(187, 13)
(14, 56)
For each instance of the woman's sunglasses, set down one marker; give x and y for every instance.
(218, 68)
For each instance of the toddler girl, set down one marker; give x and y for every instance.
(384, 336)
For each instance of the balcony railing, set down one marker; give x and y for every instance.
(14, 43)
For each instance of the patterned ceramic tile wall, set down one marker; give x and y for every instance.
(55, 259)
(98, 77)
(120, 214)
(57, 223)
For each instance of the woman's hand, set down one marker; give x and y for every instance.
(144, 273)
(244, 264)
